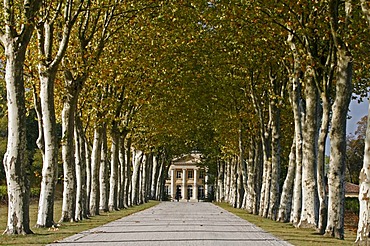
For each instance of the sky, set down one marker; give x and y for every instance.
(356, 112)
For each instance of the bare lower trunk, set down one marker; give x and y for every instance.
(103, 172)
(220, 184)
(138, 156)
(153, 189)
(275, 163)
(80, 161)
(127, 196)
(45, 216)
(159, 194)
(123, 172)
(296, 103)
(15, 161)
(364, 218)
(309, 189)
(88, 175)
(95, 164)
(321, 183)
(69, 181)
(364, 199)
(335, 226)
(250, 203)
(287, 191)
(113, 180)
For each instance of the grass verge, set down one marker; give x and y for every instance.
(286, 231)
(43, 236)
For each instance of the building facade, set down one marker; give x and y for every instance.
(187, 180)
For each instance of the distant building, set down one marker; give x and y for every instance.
(351, 190)
(187, 180)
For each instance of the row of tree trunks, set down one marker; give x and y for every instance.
(303, 199)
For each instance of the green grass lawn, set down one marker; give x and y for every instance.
(286, 231)
(43, 236)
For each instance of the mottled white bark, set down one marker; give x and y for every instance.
(104, 172)
(321, 183)
(160, 180)
(296, 103)
(128, 176)
(15, 162)
(80, 162)
(335, 225)
(220, 181)
(275, 150)
(364, 193)
(137, 158)
(364, 199)
(122, 173)
(251, 198)
(95, 164)
(153, 188)
(287, 191)
(309, 189)
(88, 151)
(113, 180)
(45, 216)
(47, 68)
(68, 157)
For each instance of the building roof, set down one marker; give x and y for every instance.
(351, 188)
(187, 159)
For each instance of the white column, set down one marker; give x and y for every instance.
(184, 188)
(195, 189)
(205, 184)
(173, 188)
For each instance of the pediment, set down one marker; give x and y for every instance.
(187, 159)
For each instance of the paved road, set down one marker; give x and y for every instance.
(176, 223)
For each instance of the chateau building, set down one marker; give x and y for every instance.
(187, 180)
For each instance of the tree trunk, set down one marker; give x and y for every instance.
(153, 189)
(95, 164)
(127, 197)
(296, 103)
(15, 161)
(243, 164)
(123, 172)
(138, 156)
(335, 226)
(80, 161)
(250, 203)
(45, 217)
(309, 189)
(113, 180)
(69, 169)
(275, 161)
(287, 192)
(159, 194)
(103, 172)
(363, 197)
(321, 183)
(220, 181)
(88, 175)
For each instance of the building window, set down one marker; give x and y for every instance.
(178, 174)
(201, 174)
(190, 174)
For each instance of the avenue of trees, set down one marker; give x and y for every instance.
(119, 88)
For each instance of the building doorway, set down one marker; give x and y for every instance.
(190, 192)
(201, 194)
(178, 192)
